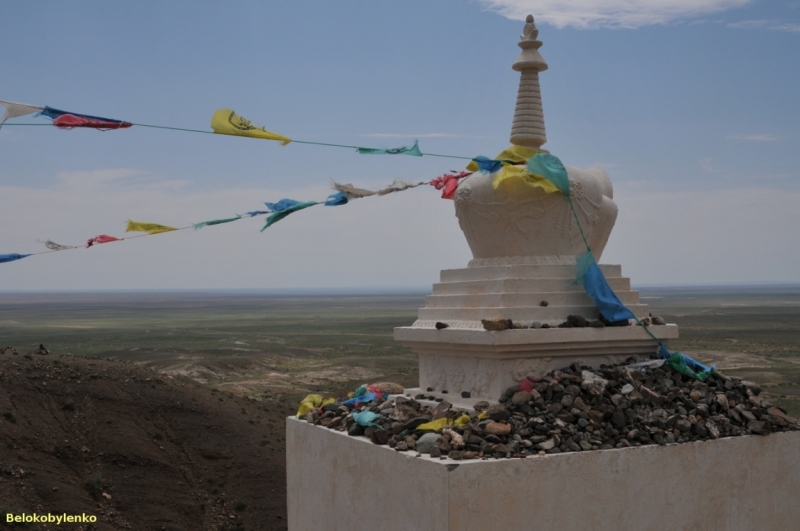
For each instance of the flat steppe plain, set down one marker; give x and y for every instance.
(271, 347)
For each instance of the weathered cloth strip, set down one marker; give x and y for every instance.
(398, 186)
(56, 246)
(13, 110)
(351, 191)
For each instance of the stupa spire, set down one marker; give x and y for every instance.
(528, 126)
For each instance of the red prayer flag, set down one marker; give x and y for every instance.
(71, 121)
(103, 238)
(449, 182)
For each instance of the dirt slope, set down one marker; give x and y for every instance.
(136, 448)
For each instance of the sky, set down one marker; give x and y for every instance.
(691, 106)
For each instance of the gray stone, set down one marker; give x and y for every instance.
(549, 444)
(619, 419)
(722, 400)
(426, 442)
(521, 397)
(713, 430)
(496, 324)
(752, 387)
(482, 405)
(498, 413)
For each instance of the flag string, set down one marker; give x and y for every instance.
(308, 142)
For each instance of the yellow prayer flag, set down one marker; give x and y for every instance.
(462, 421)
(312, 402)
(227, 122)
(519, 154)
(149, 228)
(435, 425)
(520, 172)
(515, 154)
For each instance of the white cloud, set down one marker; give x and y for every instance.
(587, 14)
(706, 165)
(422, 135)
(771, 176)
(771, 25)
(758, 138)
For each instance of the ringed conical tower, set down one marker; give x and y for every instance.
(528, 126)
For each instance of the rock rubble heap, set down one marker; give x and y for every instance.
(569, 410)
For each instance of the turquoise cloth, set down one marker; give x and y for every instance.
(407, 150)
(551, 168)
(583, 262)
(360, 399)
(283, 208)
(596, 286)
(339, 198)
(214, 222)
(366, 418)
(487, 165)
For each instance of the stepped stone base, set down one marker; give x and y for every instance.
(523, 289)
(466, 358)
(485, 363)
(337, 482)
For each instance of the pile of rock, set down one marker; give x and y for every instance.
(573, 321)
(571, 410)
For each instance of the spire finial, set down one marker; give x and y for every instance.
(528, 126)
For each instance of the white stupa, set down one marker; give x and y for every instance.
(524, 244)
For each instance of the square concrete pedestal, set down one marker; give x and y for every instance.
(337, 482)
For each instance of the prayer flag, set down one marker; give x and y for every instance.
(398, 186)
(485, 164)
(449, 183)
(351, 191)
(103, 238)
(227, 122)
(407, 150)
(11, 257)
(522, 174)
(214, 222)
(70, 120)
(550, 167)
(283, 208)
(149, 228)
(339, 198)
(56, 246)
(13, 110)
